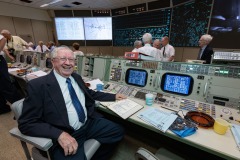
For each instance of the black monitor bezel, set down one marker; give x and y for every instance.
(127, 75)
(176, 74)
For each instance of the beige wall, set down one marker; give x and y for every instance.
(11, 10)
(28, 29)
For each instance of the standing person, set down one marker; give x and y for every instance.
(205, 52)
(148, 52)
(14, 43)
(41, 47)
(167, 50)
(157, 44)
(59, 106)
(51, 46)
(137, 44)
(76, 50)
(7, 90)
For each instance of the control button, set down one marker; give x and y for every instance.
(231, 118)
(197, 92)
(221, 115)
(198, 87)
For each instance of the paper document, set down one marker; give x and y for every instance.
(158, 118)
(13, 69)
(236, 134)
(124, 108)
(93, 83)
(38, 73)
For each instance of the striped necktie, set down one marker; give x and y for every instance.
(76, 102)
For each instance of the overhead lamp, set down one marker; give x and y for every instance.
(47, 4)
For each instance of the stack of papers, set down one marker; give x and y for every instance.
(93, 83)
(236, 134)
(124, 108)
(158, 118)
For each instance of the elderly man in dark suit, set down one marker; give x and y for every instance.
(59, 106)
(206, 51)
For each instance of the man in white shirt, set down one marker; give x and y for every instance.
(148, 52)
(167, 50)
(137, 44)
(157, 44)
(41, 47)
(14, 43)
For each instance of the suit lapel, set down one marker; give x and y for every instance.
(57, 97)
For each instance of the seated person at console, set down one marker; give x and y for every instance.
(41, 47)
(76, 50)
(59, 106)
(205, 52)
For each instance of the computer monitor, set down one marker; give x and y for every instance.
(49, 63)
(29, 59)
(177, 83)
(22, 58)
(136, 77)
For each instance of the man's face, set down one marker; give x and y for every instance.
(157, 44)
(201, 42)
(64, 62)
(7, 36)
(164, 41)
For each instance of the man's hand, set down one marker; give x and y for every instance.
(120, 96)
(68, 143)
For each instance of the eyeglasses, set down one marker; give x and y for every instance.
(64, 59)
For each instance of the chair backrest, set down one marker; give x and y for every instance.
(17, 108)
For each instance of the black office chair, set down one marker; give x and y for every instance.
(43, 144)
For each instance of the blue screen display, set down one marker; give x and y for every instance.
(137, 77)
(177, 84)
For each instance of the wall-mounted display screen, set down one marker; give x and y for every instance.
(136, 77)
(98, 28)
(177, 83)
(69, 28)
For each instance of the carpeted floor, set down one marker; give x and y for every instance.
(10, 147)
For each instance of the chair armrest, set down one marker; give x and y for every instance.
(41, 143)
(144, 154)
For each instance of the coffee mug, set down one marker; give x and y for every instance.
(99, 87)
(220, 126)
(149, 99)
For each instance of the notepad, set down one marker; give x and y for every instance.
(124, 108)
(158, 118)
(236, 134)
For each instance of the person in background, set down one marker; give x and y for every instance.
(51, 46)
(148, 52)
(59, 106)
(167, 50)
(157, 44)
(41, 47)
(205, 52)
(8, 92)
(76, 50)
(137, 44)
(14, 43)
(30, 46)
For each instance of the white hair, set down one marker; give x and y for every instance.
(57, 49)
(147, 38)
(137, 43)
(206, 37)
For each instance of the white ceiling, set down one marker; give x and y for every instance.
(86, 4)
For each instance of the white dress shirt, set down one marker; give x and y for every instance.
(168, 52)
(148, 50)
(72, 113)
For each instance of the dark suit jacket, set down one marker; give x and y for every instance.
(44, 112)
(207, 54)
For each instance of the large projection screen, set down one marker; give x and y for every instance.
(69, 28)
(98, 28)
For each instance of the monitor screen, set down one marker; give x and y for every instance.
(48, 63)
(29, 59)
(177, 83)
(98, 28)
(136, 77)
(22, 58)
(69, 28)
